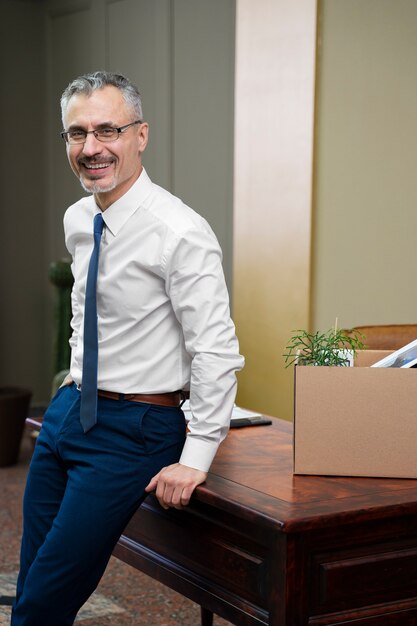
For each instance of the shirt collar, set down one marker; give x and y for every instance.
(117, 214)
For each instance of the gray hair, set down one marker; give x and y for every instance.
(87, 83)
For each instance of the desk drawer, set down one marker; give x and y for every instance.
(351, 579)
(228, 557)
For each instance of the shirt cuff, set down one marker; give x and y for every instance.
(198, 454)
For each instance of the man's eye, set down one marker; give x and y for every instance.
(76, 134)
(106, 132)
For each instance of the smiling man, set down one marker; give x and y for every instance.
(151, 324)
(104, 166)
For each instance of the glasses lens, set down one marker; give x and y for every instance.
(102, 134)
(76, 136)
(106, 134)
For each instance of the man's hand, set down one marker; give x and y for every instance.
(67, 381)
(174, 484)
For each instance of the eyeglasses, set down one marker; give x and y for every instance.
(106, 135)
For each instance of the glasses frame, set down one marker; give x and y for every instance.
(120, 129)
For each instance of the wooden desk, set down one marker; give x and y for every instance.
(261, 546)
(258, 545)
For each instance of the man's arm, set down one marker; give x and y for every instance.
(196, 286)
(75, 323)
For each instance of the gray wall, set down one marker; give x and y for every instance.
(25, 306)
(181, 54)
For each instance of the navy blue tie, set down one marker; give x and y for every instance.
(88, 409)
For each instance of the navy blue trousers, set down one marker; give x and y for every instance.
(81, 491)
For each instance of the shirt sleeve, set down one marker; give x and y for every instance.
(76, 316)
(198, 292)
(75, 308)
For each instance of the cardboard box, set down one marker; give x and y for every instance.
(356, 421)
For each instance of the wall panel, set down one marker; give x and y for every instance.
(365, 250)
(187, 87)
(166, 46)
(202, 108)
(139, 45)
(274, 111)
(70, 35)
(23, 262)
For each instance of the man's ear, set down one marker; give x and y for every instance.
(143, 133)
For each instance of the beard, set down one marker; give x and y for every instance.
(97, 187)
(91, 185)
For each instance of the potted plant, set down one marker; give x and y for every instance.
(336, 347)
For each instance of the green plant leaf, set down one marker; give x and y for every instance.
(322, 348)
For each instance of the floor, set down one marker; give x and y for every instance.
(124, 597)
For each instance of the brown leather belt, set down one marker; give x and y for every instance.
(172, 398)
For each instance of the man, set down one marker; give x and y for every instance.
(163, 327)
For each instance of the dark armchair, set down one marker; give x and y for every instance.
(387, 336)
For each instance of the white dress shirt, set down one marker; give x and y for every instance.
(163, 308)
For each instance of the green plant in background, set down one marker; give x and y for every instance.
(323, 348)
(61, 277)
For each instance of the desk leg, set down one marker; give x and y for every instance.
(206, 617)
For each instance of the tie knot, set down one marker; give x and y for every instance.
(98, 224)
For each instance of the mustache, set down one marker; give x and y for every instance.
(95, 161)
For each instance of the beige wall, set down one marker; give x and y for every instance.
(362, 213)
(365, 250)
(275, 66)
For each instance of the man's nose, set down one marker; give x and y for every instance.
(92, 145)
